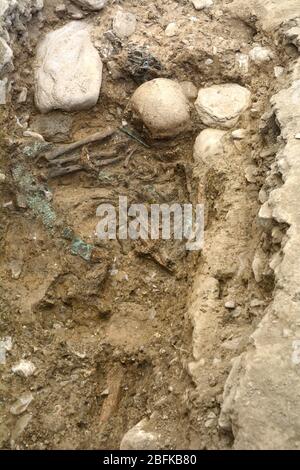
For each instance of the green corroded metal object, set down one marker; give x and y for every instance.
(34, 149)
(82, 249)
(68, 233)
(35, 196)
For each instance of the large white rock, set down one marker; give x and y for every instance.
(222, 105)
(162, 106)
(92, 5)
(69, 70)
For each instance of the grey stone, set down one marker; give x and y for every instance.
(16, 13)
(260, 54)
(55, 126)
(124, 24)
(230, 305)
(140, 438)
(171, 30)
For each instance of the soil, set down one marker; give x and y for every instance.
(112, 337)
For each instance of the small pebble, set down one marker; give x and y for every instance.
(189, 90)
(251, 173)
(2, 177)
(16, 269)
(236, 312)
(24, 368)
(171, 30)
(211, 420)
(256, 303)
(5, 345)
(239, 134)
(278, 71)
(262, 196)
(22, 98)
(201, 4)
(260, 54)
(230, 305)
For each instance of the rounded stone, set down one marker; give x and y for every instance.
(208, 145)
(189, 90)
(222, 105)
(140, 438)
(260, 54)
(162, 107)
(124, 24)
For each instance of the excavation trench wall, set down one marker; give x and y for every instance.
(261, 398)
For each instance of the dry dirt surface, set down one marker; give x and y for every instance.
(118, 332)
